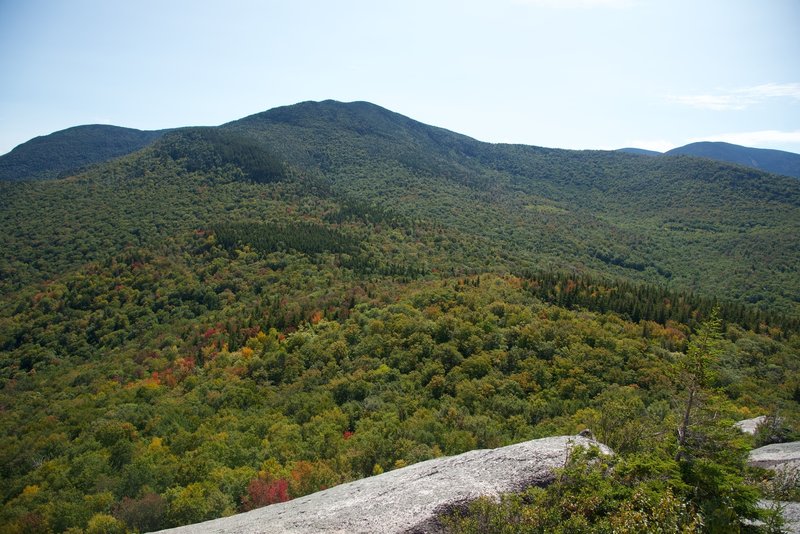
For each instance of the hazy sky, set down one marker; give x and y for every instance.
(559, 73)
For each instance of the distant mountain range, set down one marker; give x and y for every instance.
(774, 161)
(67, 151)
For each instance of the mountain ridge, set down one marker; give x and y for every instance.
(639, 151)
(769, 160)
(103, 142)
(67, 151)
(775, 161)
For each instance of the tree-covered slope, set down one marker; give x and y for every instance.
(234, 316)
(67, 151)
(775, 161)
(153, 390)
(669, 220)
(666, 220)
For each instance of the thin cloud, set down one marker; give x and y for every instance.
(768, 90)
(579, 4)
(739, 99)
(712, 102)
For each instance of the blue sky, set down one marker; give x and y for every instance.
(559, 73)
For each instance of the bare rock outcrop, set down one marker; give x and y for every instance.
(406, 500)
(776, 456)
(749, 426)
(784, 459)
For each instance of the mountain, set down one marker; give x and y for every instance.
(230, 317)
(66, 151)
(508, 207)
(639, 151)
(775, 161)
(654, 219)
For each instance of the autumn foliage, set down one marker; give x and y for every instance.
(261, 492)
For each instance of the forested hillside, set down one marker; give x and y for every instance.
(67, 151)
(234, 316)
(693, 224)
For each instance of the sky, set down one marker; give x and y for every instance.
(582, 74)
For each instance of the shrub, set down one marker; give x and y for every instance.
(145, 514)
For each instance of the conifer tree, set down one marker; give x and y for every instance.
(695, 372)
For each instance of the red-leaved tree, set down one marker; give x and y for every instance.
(262, 492)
